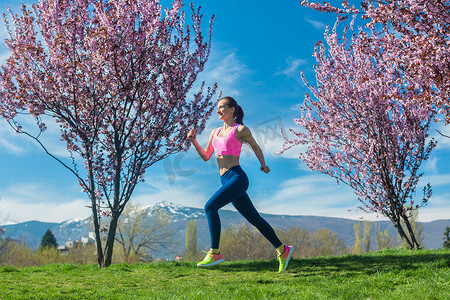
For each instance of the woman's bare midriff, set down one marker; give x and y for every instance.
(226, 162)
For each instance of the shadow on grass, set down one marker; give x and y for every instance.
(348, 264)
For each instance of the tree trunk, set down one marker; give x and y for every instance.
(412, 234)
(94, 207)
(107, 258)
(98, 241)
(402, 233)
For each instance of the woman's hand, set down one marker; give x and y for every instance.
(192, 134)
(265, 169)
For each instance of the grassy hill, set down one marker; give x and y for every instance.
(387, 274)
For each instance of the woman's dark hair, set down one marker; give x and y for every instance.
(238, 112)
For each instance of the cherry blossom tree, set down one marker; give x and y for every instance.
(415, 34)
(366, 126)
(115, 76)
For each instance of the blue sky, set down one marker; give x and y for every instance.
(259, 49)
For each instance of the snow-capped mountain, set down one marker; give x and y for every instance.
(176, 211)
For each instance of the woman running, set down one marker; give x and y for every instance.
(226, 142)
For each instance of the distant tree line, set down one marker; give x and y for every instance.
(18, 254)
(383, 239)
(244, 242)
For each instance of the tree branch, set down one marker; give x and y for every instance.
(442, 134)
(50, 154)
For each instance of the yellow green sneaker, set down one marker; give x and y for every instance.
(284, 257)
(210, 259)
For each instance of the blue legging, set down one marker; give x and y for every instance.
(234, 187)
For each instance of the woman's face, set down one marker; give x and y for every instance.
(224, 111)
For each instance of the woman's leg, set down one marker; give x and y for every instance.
(231, 189)
(245, 207)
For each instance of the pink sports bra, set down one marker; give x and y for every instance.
(227, 145)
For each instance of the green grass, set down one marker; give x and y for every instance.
(388, 274)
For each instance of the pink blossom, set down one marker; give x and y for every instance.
(374, 98)
(116, 76)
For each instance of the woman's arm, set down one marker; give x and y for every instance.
(244, 134)
(204, 154)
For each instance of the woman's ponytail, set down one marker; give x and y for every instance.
(239, 115)
(238, 112)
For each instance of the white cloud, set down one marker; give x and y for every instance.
(435, 180)
(42, 201)
(316, 24)
(17, 143)
(10, 141)
(430, 166)
(10, 147)
(226, 68)
(320, 195)
(14, 211)
(438, 208)
(183, 191)
(293, 67)
(309, 195)
(268, 136)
